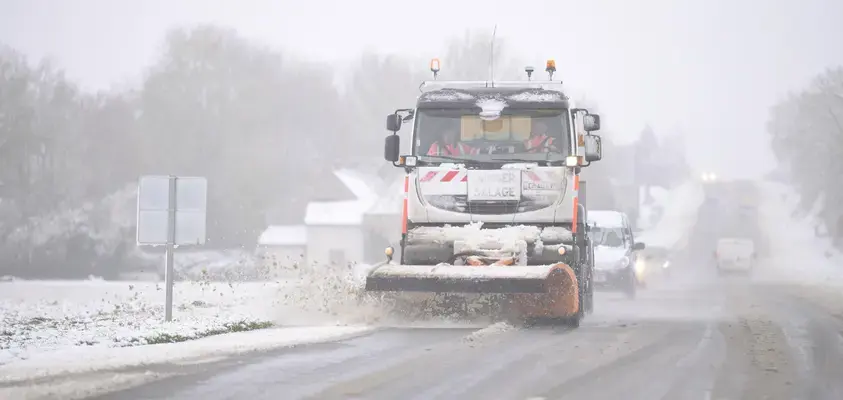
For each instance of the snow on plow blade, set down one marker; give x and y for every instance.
(461, 279)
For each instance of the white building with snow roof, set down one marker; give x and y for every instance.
(335, 230)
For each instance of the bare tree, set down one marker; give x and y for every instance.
(252, 121)
(806, 132)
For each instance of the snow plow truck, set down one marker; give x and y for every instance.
(501, 212)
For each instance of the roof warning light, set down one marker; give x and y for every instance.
(434, 67)
(550, 68)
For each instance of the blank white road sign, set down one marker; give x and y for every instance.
(153, 203)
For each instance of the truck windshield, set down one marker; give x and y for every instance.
(443, 135)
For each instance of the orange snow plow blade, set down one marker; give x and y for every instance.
(541, 291)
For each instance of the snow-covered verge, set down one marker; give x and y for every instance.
(678, 216)
(45, 316)
(53, 328)
(796, 253)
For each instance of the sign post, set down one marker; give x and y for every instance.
(171, 242)
(171, 213)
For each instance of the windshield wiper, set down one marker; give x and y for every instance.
(524, 160)
(455, 159)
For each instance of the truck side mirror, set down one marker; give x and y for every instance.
(593, 148)
(393, 122)
(391, 147)
(591, 122)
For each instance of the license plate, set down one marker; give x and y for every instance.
(494, 185)
(599, 277)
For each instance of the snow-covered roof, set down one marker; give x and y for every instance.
(349, 212)
(606, 218)
(363, 186)
(284, 235)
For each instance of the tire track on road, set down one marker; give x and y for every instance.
(424, 374)
(296, 372)
(761, 362)
(621, 375)
(819, 335)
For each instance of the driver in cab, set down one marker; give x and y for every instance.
(539, 140)
(448, 145)
(613, 240)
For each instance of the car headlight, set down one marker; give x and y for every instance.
(622, 263)
(640, 266)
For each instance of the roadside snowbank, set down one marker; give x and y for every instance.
(796, 253)
(680, 207)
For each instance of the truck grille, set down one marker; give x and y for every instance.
(462, 205)
(498, 207)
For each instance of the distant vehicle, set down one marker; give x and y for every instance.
(615, 252)
(735, 255)
(650, 261)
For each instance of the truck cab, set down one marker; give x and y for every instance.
(493, 161)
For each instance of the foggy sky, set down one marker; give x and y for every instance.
(707, 68)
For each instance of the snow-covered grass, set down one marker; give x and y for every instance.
(103, 329)
(679, 214)
(44, 316)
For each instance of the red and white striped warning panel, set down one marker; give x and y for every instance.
(458, 176)
(444, 176)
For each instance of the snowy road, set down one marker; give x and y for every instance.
(690, 336)
(777, 334)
